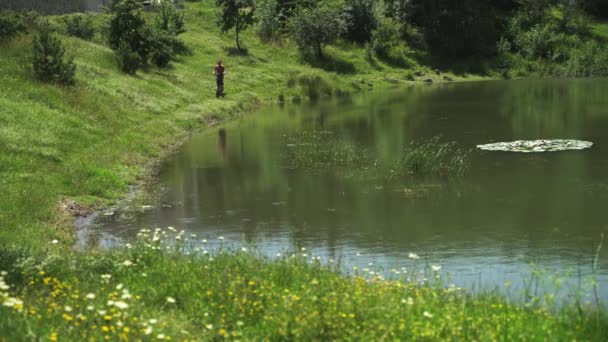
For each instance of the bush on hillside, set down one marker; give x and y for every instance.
(161, 47)
(127, 25)
(80, 26)
(169, 19)
(386, 37)
(268, 16)
(128, 60)
(10, 25)
(313, 28)
(49, 62)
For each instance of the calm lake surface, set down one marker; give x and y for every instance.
(486, 228)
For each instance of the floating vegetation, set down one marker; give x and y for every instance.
(533, 146)
(322, 150)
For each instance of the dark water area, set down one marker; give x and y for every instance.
(508, 213)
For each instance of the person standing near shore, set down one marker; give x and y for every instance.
(219, 72)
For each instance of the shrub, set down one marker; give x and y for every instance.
(161, 47)
(169, 19)
(126, 25)
(361, 20)
(80, 26)
(10, 25)
(315, 27)
(268, 16)
(386, 37)
(128, 60)
(48, 60)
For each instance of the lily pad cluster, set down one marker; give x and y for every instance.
(533, 146)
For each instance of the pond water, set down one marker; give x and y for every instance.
(488, 227)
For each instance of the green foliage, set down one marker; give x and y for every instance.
(127, 24)
(386, 37)
(316, 27)
(10, 25)
(161, 47)
(269, 17)
(80, 26)
(458, 28)
(128, 60)
(361, 20)
(169, 19)
(48, 60)
(237, 15)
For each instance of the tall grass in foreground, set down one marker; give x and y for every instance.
(321, 150)
(168, 285)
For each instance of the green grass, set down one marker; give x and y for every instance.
(164, 286)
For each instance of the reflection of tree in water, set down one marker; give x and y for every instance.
(551, 109)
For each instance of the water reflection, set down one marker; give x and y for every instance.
(509, 210)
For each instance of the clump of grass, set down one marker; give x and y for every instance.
(169, 284)
(320, 150)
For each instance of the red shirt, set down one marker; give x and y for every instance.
(219, 69)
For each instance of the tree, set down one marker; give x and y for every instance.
(237, 14)
(48, 60)
(361, 20)
(315, 27)
(127, 24)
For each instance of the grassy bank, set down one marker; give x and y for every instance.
(165, 287)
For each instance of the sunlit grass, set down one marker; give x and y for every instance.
(170, 284)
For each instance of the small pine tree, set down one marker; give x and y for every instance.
(128, 60)
(48, 60)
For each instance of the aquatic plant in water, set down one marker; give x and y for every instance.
(532, 146)
(322, 150)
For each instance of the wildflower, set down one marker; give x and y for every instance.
(101, 312)
(128, 245)
(68, 308)
(160, 336)
(148, 330)
(222, 332)
(209, 326)
(204, 241)
(240, 323)
(4, 286)
(54, 242)
(127, 263)
(436, 268)
(90, 308)
(427, 314)
(153, 321)
(53, 336)
(408, 301)
(243, 249)
(221, 238)
(106, 276)
(144, 274)
(13, 302)
(3, 273)
(119, 286)
(171, 300)
(119, 304)
(278, 254)
(413, 256)
(90, 296)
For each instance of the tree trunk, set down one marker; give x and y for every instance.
(237, 26)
